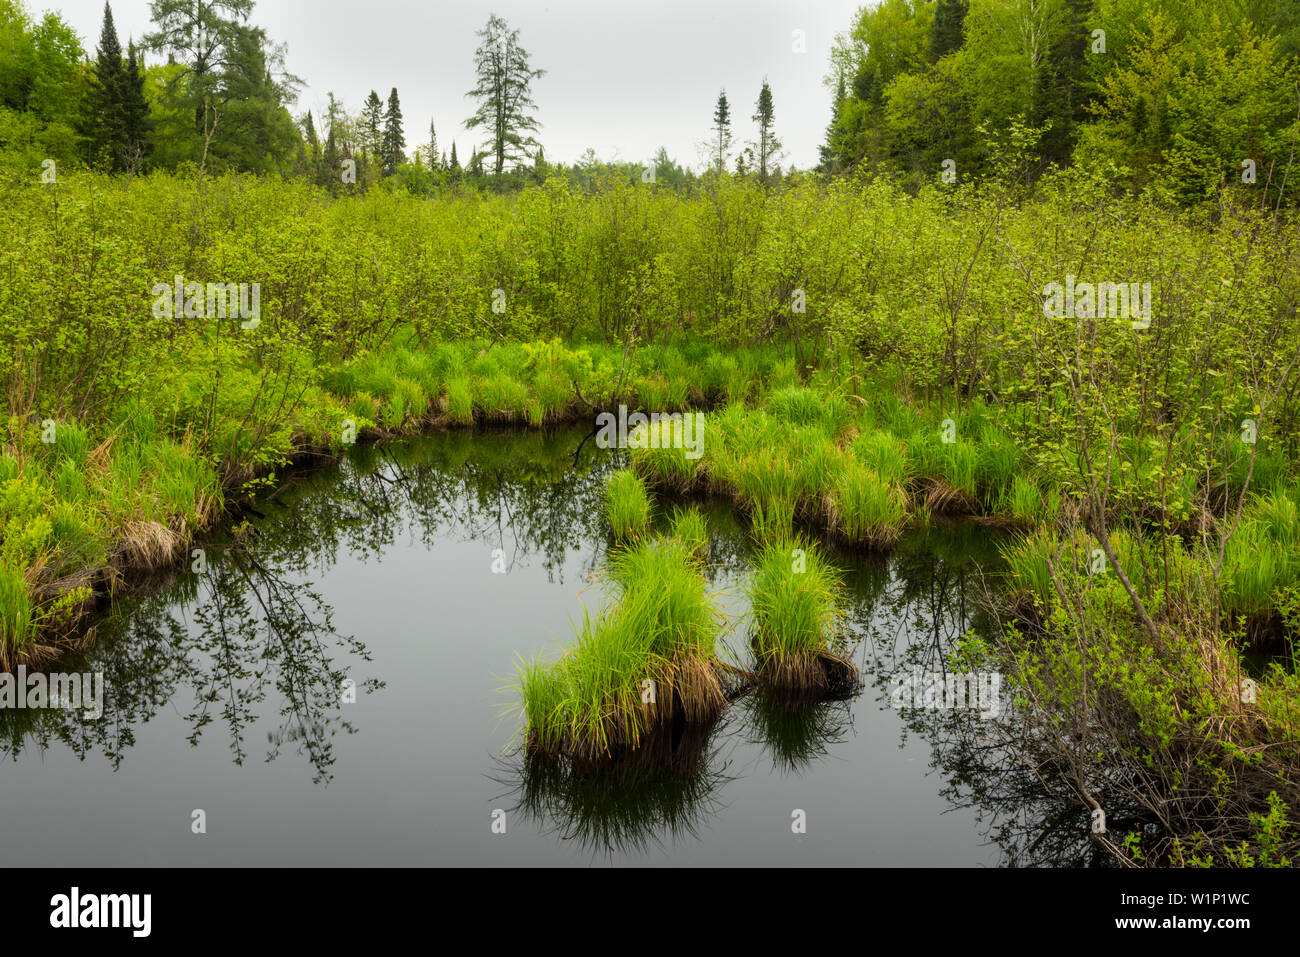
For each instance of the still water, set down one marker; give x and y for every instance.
(421, 572)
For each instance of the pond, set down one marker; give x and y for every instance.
(332, 688)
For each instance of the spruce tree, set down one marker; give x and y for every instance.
(721, 131)
(433, 147)
(313, 148)
(109, 132)
(135, 111)
(372, 118)
(768, 146)
(394, 140)
(828, 151)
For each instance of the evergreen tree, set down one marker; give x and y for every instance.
(394, 141)
(946, 29)
(768, 146)
(330, 164)
(828, 152)
(372, 119)
(313, 148)
(433, 147)
(503, 90)
(232, 78)
(208, 34)
(135, 111)
(1059, 92)
(455, 163)
(721, 132)
(109, 128)
(335, 137)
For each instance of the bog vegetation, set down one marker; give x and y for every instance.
(869, 342)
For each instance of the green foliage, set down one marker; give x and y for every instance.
(794, 595)
(627, 505)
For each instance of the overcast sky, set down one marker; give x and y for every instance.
(622, 78)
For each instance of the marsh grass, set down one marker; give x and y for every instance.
(627, 505)
(691, 530)
(642, 664)
(657, 451)
(866, 509)
(797, 608)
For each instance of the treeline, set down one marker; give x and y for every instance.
(1176, 96)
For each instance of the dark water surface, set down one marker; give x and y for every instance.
(223, 694)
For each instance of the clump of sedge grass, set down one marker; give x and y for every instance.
(865, 509)
(627, 505)
(638, 667)
(691, 531)
(460, 400)
(658, 451)
(795, 601)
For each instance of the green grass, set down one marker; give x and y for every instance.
(690, 529)
(15, 610)
(1027, 565)
(627, 504)
(460, 400)
(657, 450)
(869, 510)
(795, 598)
(662, 629)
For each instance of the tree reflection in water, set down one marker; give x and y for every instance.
(253, 638)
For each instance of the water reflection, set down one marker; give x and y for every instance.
(660, 795)
(251, 646)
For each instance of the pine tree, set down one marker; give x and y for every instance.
(332, 159)
(313, 148)
(433, 147)
(372, 118)
(721, 131)
(505, 101)
(330, 166)
(394, 140)
(455, 163)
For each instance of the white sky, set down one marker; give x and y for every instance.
(622, 77)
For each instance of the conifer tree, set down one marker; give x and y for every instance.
(394, 141)
(768, 146)
(372, 119)
(135, 111)
(108, 131)
(946, 29)
(503, 91)
(721, 131)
